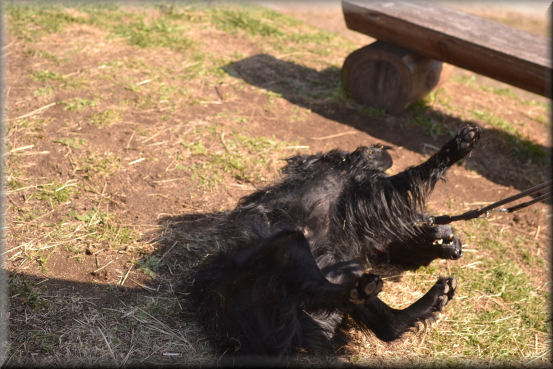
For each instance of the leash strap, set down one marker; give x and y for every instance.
(476, 213)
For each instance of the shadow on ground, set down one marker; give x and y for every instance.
(61, 323)
(317, 91)
(55, 322)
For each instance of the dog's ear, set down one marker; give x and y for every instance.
(380, 157)
(381, 146)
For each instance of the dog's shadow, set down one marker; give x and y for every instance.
(183, 241)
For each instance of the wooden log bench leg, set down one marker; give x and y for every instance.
(386, 76)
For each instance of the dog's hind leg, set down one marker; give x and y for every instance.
(289, 257)
(258, 300)
(424, 176)
(389, 324)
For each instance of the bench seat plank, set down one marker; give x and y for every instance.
(483, 46)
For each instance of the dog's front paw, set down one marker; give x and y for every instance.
(364, 287)
(443, 290)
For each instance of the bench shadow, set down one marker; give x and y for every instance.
(500, 157)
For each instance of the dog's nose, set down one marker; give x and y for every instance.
(452, 251)
(457, 253)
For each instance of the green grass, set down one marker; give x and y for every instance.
(32, 52)
(267, 24)
(52, 80)
(499, 91)
(253, 21)
(46, 76)
(170, 24)
(268, 29)
(32, 22)
(72, 142)
(494, 286)
(498, 314)
(55, 192)
(30, 125)
(26, 293)
(431, 126)
(78, 104)
(244, 158)
(105, 118)
(159, 33)
(99, 165)
(422, 116)
(95, 228)
(149, 265)
(523, 148)
(43, 91)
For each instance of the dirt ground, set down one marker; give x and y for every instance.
(115, 173)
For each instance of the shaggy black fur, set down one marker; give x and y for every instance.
(295, 254)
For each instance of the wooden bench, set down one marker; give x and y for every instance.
(414, 38)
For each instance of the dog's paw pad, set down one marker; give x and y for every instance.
(467, 137)
(442, 301)
(355, 298)
(364, 287)
(462, 144)
(470, 133)
(445, 290)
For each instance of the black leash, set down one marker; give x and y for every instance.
(476, 213)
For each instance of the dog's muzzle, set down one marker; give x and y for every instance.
(450, 247)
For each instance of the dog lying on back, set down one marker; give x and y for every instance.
(294, 256)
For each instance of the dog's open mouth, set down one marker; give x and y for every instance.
(450, 247)
(446, 240)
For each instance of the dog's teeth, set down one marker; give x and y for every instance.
(440, 241)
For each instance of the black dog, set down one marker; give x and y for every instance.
(294, 254)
